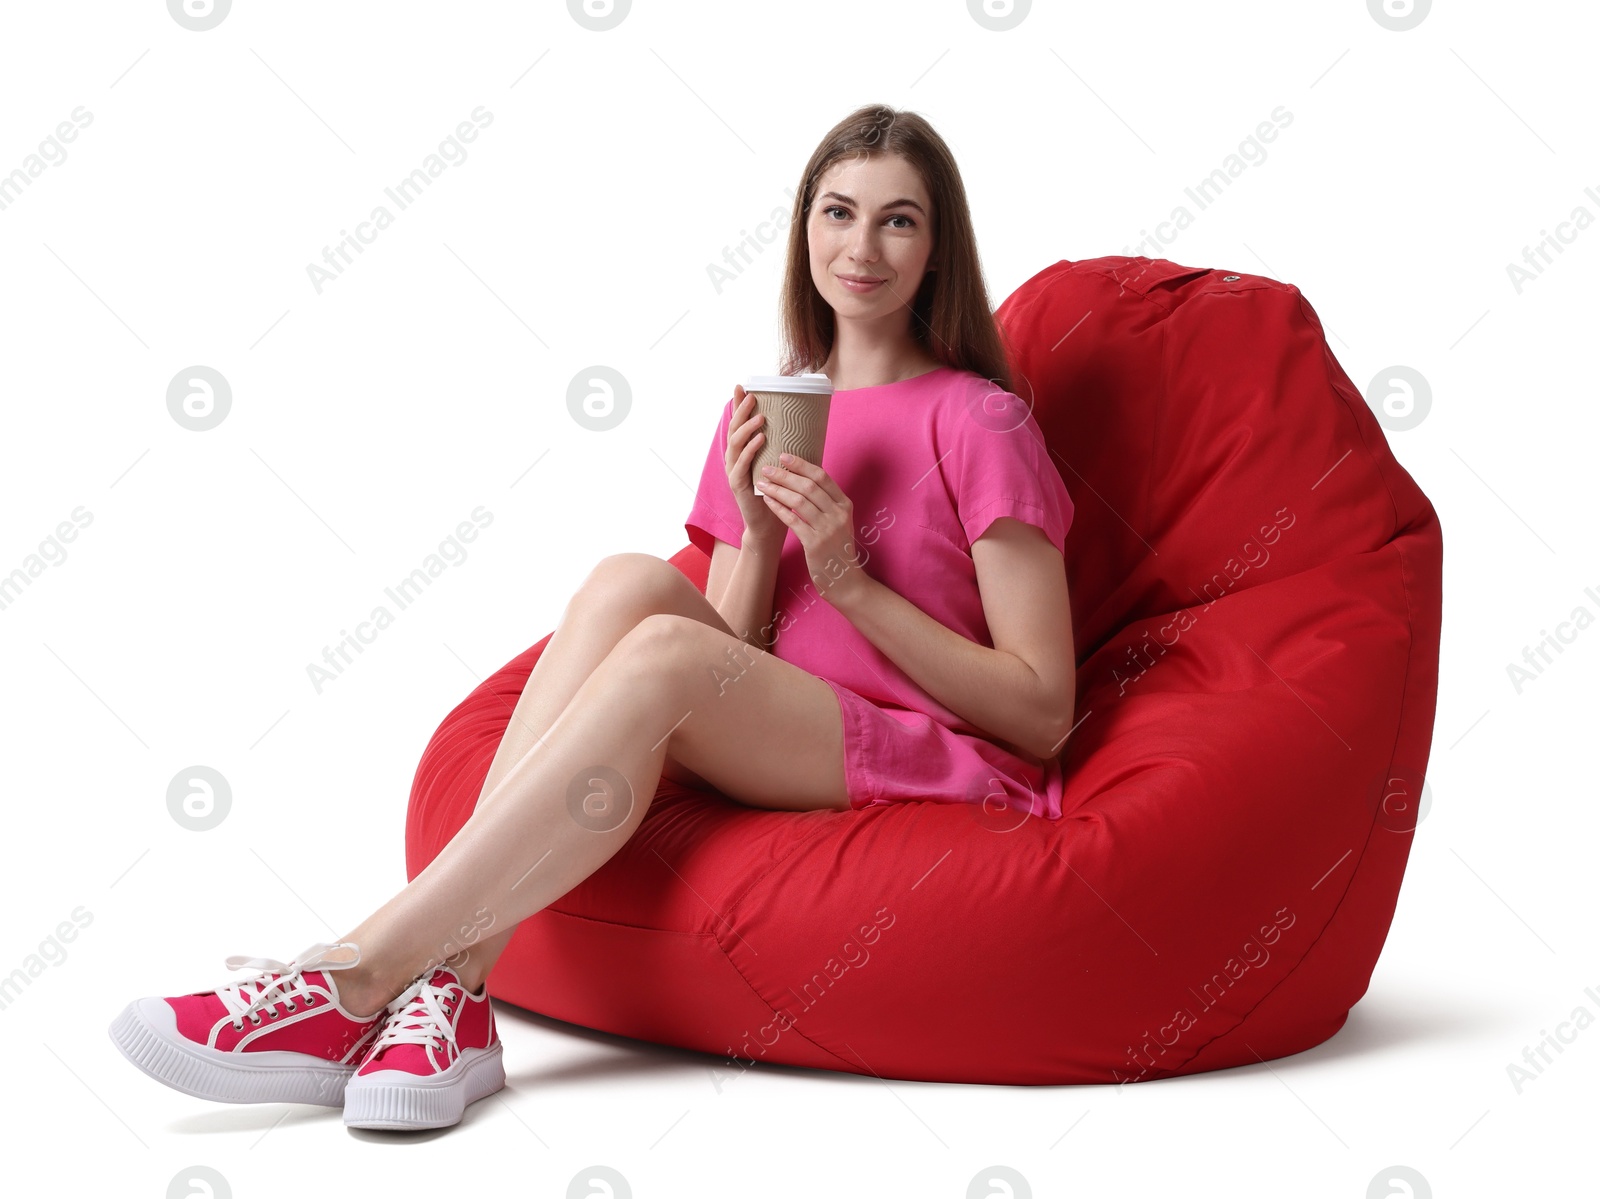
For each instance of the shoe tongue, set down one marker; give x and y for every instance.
(441, 977)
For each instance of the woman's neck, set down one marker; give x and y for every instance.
(873, 368)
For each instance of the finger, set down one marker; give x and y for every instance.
(752, 421)
(801, 487)
(802, 469)
(810, 470)
(752, 447)
(792, 501)
(743, 430)
(800, 505)
(795, 519)
(789, 516)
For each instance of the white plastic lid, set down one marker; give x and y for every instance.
(810, 383)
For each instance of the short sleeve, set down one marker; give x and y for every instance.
(715, 515)
(999, 465)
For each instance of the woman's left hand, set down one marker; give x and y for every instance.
(805, 498)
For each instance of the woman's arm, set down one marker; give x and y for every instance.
(740, 586)
(1023, 691)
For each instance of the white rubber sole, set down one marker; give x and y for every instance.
(146, 1033)
(393, 1099)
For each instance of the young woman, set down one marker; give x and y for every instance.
(911, 641)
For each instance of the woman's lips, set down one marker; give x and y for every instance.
(852, 285)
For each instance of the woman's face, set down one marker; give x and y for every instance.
(871, 219)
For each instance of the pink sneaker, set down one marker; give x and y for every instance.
(278, 1037)
(437, 1053)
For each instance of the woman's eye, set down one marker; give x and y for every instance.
(899, 216)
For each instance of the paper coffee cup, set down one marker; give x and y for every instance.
(796, 408)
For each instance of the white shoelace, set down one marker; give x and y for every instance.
(419, 1015)
(279, 986)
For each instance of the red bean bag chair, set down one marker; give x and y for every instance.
(1256, 592)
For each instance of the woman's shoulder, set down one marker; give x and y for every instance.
(962, 394)
(960, 380)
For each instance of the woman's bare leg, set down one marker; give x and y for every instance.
(666, 688)
(618, 593)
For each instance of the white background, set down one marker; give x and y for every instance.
(432, 377)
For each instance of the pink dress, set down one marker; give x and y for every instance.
(928, 464)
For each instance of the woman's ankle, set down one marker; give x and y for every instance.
(360, 994)
(470, 979)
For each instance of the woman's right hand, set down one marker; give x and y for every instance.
(745, 439)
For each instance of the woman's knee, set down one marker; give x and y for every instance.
(664, 638)
(677, 651)
(643, 582)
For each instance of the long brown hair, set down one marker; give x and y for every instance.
(950, 315)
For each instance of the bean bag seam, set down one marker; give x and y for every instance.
(706, 934)
(733, 905)
(715, 934)
(794, 1023)
(736, 900)
(1182, 1066)
(1158, 424)
(1308, 315)
(1405, 687)
(646, 928)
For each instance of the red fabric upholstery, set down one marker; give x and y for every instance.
(1256, 593)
